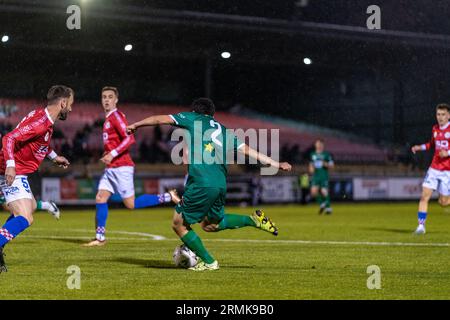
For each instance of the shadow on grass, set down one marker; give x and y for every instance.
(165, 264)
(76, 241)
(392, 230)
(154, 264)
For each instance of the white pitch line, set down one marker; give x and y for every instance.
(312, 242)
(149, 235)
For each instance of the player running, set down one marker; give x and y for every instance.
(119, 173)
(320, 162)
(204, 197)
(23, 150)
(48, 206)
(438, 175)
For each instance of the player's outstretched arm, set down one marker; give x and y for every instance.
(419, 147)
(264, 159)
(61, 162)
(150, 121)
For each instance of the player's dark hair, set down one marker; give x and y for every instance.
(112, 89)
(203, 106)
(58, 92)
(443, 106)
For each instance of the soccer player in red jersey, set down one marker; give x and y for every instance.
(438, 175)
(119, 173)
(23, 150)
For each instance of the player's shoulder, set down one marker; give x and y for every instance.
(118, 116)
(37, 115)
(435, 127)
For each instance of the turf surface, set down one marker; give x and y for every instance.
(314, 257)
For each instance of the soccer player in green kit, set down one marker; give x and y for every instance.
(320, 162)
(203, 201)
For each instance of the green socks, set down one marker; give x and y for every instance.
(319, 199)
(193, 242)
(327, 201)
(39, 205)
(234, 221)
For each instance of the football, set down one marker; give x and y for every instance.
(183, 257)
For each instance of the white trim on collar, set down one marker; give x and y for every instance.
(110, 113)
(48, 116)
(444, 127)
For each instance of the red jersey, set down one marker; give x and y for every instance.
(116, 140)
(28, 144)
(440, 140)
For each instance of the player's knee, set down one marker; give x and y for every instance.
(210, 227)
(129, 205)
(100, 199)
(176, 225)
(29, 218)
(426, 198)
(444, 202)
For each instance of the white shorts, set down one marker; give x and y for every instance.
(118, 180)
(20, 189)
(438, 180)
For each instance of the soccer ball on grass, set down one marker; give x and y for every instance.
(183, 257)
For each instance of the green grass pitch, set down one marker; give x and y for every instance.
(314, 257)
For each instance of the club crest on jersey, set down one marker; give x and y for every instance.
(447, 135)
(107, 125)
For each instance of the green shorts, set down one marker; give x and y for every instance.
(200, 202)
(320, 182)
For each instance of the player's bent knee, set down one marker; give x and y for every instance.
(100, 199)
(129, 205)
(211, 228)
(444, 201)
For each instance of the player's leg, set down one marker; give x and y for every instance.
(105, 190)
(5, 207)
(325, 190)
(430, 183)
(444, 189)
(50, 207)
(317, 194)
(193, 209)
(218, 220)
(123, 181)
(193, 242)
(21, 218)
(150, 200)
(423, 209)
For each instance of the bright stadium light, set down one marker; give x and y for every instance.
(307, 61)
(5, 38)
(128, 47)
(225, 55)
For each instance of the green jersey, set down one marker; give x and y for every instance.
(210, 148)
(318, 160)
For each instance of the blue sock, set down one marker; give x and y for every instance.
(9, 218)
(12, 228)
(422, 217)
(101, 215)
(150, 200)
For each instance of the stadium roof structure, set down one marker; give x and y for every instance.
(261, 31)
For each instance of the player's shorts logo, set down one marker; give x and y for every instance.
(10, 191)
